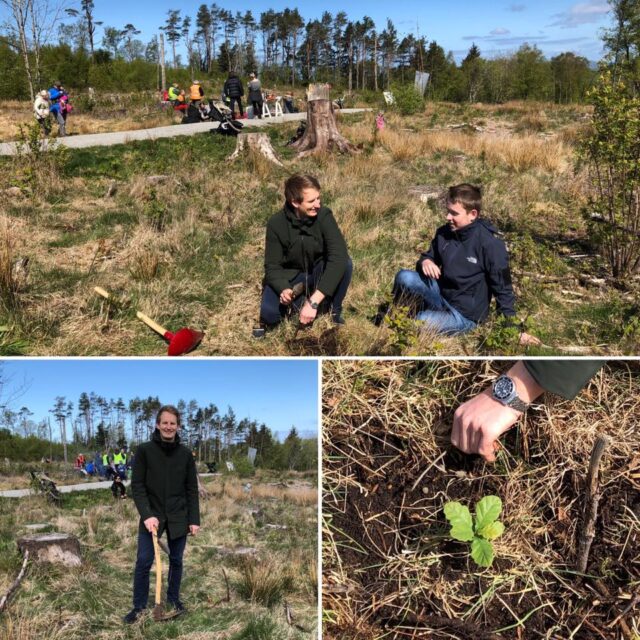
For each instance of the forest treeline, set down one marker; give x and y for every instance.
(353, 55)
(96, 423)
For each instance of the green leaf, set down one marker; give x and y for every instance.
(482, 552)
(461, 522)
(487, 510)
(492, 530)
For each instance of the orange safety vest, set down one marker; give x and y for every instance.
(195, 92)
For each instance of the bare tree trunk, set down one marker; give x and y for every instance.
(321, 134)
(163, 72)
(375, 62)
(350, 67)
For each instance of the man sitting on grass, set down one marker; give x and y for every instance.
(466, 264)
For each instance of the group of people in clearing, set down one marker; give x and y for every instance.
(233, 93)
(52, 102)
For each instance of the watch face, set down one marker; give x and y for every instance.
(503, 388)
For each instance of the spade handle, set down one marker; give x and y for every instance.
(156, 550)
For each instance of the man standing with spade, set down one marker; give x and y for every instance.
(164, 486)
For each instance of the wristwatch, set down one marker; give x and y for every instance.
(312, 304)
(504, 391)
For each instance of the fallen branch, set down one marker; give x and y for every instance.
(592, 498)
(16, 582)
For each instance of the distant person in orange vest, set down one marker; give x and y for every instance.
(196, 93)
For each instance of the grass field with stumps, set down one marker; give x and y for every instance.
(180, 236)
(275, 520)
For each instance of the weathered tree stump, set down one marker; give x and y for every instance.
(257, 142)
(322, 133)
(57, 548)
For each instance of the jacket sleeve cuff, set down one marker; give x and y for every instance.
(565, 378)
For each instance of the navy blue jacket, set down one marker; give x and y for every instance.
(474, 265)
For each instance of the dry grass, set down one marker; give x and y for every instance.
(387, 474)
(189, 249)
(58, 603)
(14, 113)
(519, 153)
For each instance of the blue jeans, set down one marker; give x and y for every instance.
(432, 309)
(143, 567)
(272, 312)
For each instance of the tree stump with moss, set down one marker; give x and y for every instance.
(321, 134)
(258, 143)
(57, 548)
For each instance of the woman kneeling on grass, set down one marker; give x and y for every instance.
(305, 254)
(164, 486)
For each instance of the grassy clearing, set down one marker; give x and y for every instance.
(55, 602)
(389, 567)
(188, 250)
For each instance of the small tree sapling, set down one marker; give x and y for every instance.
(479, 530)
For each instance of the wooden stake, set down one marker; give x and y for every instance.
(592, 498)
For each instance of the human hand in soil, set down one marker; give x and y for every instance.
(479, 422)
(151, 523)
(286, 297)
(430, 269)
(527, 340)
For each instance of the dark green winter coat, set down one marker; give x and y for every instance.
(564, 377)
(295, 245)
(164, 484)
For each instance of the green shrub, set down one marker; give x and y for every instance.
(407, 100)
(611, 152)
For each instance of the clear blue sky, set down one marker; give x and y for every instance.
(495, 26)
(280, 393)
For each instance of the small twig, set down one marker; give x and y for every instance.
(16, 582)
(592, 498)
(627, 609)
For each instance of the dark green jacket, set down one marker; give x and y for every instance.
(294, 246)
(164, 484)
(564, 377)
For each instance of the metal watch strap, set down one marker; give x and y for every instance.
(312, 304)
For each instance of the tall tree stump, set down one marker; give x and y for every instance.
(57, 548)
(258, 143)
(322, 133)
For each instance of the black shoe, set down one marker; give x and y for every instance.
(337, 319)
(132, 616)
(383, 310)
(178, 607)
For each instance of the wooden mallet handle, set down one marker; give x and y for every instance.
(150, 323)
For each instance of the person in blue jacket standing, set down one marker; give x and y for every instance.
(55, 93)
(465, 266)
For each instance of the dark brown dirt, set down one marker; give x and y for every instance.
(390, 518)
